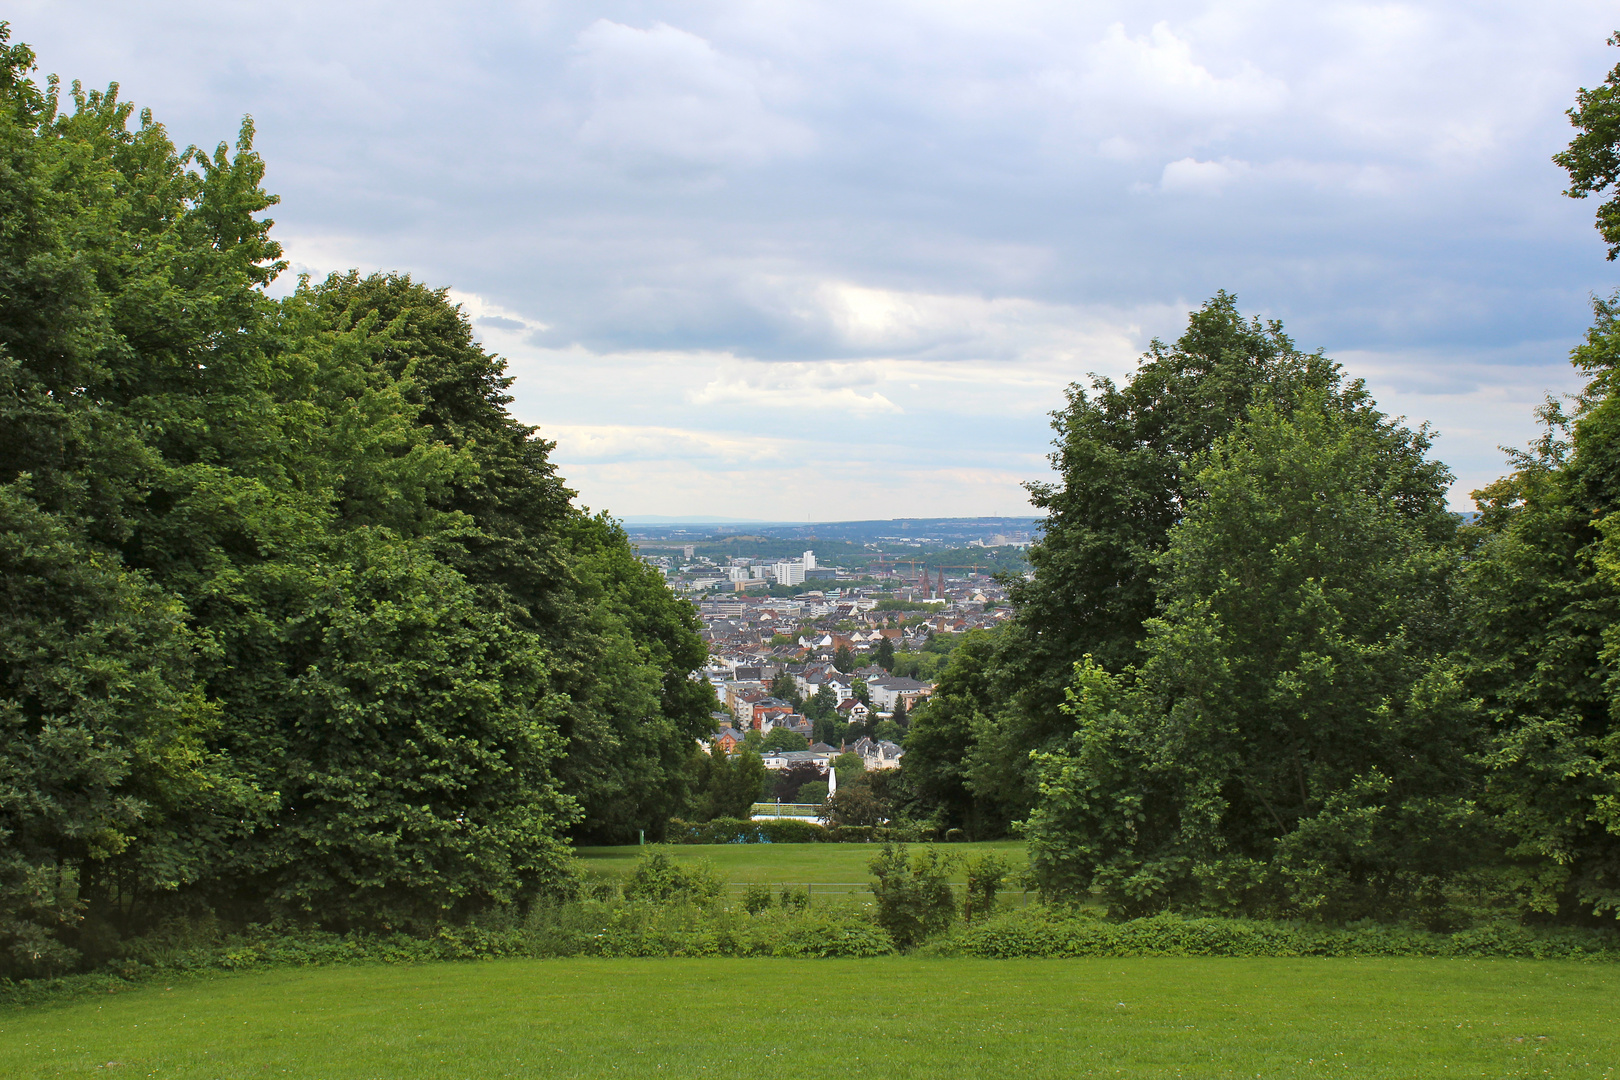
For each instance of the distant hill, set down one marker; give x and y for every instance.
(945, 530)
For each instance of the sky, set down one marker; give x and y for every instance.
(839, 260)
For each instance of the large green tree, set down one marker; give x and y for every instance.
(301, 622)
(1125, 457)
(1296, 739)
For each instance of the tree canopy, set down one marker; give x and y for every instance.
(299, 622)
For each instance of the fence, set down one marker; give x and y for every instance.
(841, 889)
(803, 811)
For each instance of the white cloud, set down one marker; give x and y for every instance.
(1157, 73)
(664, 96)
(1205, 177)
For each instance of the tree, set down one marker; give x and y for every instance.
(783, 739)
(914, 896)
(784, 688)
(1593, 157)
(302, 625)
(791, 779)
(889, 730)
(984, 877)
(899, 713)
(824, 703)
(943, 733)
(855, 803)
(1543, 601)
(883, 656)
(1125, 457)
(813, 791)
(728, 785)
(829, 730)
(850, 767)
(844, 660)
(1297, 740)
(861, 693)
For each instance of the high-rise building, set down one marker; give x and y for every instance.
(789, 573)
(809, 560)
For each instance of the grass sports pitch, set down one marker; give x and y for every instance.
(892, 1017)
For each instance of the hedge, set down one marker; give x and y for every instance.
(785, 831)
(1038, 931)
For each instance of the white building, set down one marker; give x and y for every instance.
(790, 573)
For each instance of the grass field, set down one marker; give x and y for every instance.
(791, 863)
(894, 1017)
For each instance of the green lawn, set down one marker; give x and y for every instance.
(791, 863)
(894, 1017)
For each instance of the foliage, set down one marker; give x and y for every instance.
(660, 879)
(850, 767)
(944, 731)
(789, 780)
(985, 874)
(1543, 604)
(1592, 158)
(855, 804)
(784, 688)
(815, 791)
(756, 898)
(780, 738)
(726, 785)
(844, 660)
(1038, 931)
(300, 623)
(883, 655)
(914, 897)
(823, 704)
(1125, 458)
(1296, 740)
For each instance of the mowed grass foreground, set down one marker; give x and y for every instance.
(894, 1017)
(792, 863)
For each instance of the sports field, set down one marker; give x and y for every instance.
(892, 1017)
(795, 863)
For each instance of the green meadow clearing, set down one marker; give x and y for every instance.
(892, 1017)
(793, 863)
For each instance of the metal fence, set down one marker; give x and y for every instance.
(842, 889)
(801, 810)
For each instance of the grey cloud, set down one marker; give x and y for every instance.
(705, 177)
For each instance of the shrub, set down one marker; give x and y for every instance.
(794, 898)
(984, 877)
(659, 878)
(1039, 931)
(757, 898)
(914, 897)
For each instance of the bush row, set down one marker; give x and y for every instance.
(1051, 932)
(584, 928)
(786, 831)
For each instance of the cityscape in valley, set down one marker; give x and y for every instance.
(811, 660)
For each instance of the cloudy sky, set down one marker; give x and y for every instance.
(838, 260)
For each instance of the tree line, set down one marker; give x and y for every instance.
(297, 623)
(1261, 669)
